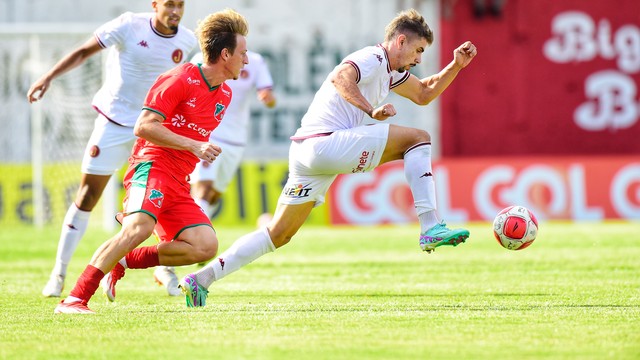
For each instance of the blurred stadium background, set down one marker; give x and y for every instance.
(547, 116)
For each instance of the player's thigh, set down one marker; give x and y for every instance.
(108, 148)
(401, 139)
(202, 238)
(343, 152)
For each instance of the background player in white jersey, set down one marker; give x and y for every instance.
(142, 46)
(333, 140)
(210, 180)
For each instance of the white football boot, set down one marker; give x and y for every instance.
(166, 276)
(54, 286)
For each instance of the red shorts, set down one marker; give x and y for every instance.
(151, 189)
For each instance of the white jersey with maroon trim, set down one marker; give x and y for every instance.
(138, 55)
(254, 76)
(329, 112)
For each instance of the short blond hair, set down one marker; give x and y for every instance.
(410, 23)
(218, 31)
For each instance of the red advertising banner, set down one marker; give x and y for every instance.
(551, 77)
(472, 189)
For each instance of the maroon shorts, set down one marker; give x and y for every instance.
(151, 189)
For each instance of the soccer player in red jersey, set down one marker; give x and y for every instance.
(141, 47)
(182, 108)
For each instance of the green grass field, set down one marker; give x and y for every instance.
(348, 293)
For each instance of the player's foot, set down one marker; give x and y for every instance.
(195, 294)
(109, 281)
(54, 286)
(75, 307)
(441, 235)
(166, 276)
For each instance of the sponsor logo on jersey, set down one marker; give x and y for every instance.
(204, 132)
(177, 55)
(143, 44)
(379, 58)
(191, 81)
(297, 191)
(156, 197)
(178, 120)
(192, 102)
(362, 164)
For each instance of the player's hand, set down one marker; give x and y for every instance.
(383, 112)
(37, 90)
(208, 151)
(464, 54)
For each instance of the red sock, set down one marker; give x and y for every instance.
(88, 283)
(143, 257)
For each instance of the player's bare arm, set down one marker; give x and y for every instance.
(72, 60)
(267, 97)
(344, 80)
(423, 91)
(149, 127)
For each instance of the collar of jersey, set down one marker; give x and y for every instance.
(211, 88)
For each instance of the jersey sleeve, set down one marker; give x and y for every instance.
(263, 78)
(165, 95)
(397, 78)
(366, 63)
(114, 31)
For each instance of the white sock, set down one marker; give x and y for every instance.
(242, 252)
(417, 170)
(74, 226)
(428, 220)
(70, 299)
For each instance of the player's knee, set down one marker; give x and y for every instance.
(134, 235)
(205, 250)
(422, 136)
(279, 239)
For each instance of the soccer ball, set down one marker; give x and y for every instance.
(515, 227)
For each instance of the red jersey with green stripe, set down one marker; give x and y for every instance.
(190, 107)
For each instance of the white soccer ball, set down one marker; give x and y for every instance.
(515, 227)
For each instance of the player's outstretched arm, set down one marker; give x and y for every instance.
(423, 91)
(70, 61)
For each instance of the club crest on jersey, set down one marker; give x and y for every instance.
(156, 198)
(219, 112)
(297, 191)
(177, 56)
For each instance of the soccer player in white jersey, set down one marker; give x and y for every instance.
(210, 180)
(142, 46)
(333, 140)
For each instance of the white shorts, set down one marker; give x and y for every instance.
(314, 163)
(108, 148)
(222, 170)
